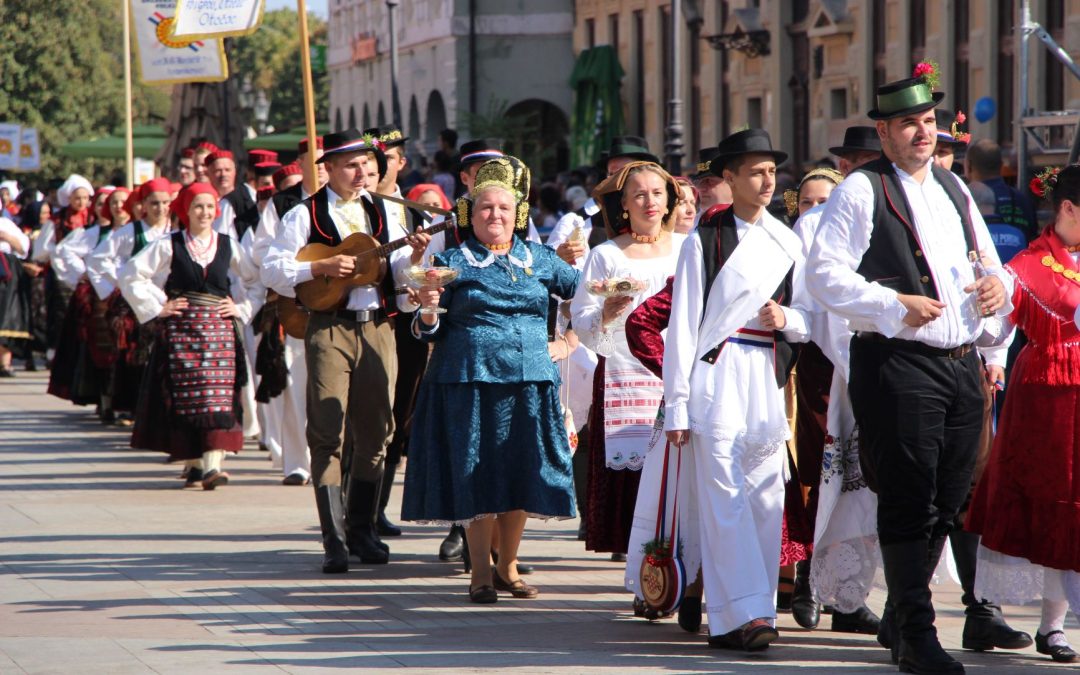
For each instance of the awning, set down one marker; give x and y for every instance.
(598, 117)
(146, 140)
(287, 141)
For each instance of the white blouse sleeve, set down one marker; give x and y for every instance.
(587, 309)
(142, 279)
(247, 291)
(44, 243)
(69, 260)
(103, 265)
(681, 343)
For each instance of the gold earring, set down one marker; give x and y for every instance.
(626, 215)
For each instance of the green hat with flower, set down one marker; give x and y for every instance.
(909, 96)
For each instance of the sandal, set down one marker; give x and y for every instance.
(483, 595)
(518, 589)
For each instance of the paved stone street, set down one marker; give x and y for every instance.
(108, 566)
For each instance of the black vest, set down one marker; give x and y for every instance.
(285, 200)
(324, 231)
(186, 275)
(718, 241)
(246, 210)
(895, 258)
(139, 242)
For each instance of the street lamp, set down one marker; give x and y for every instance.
(395, 108)
(673, 144)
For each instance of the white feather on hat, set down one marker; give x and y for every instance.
(73, 183)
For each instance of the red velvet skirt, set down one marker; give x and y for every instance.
(1027, 503)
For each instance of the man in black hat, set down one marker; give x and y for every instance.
(861, 144)
(893, 256)
(712, 189)
(411, 353)
(350, 352)
(623, 150)
(951, 141)
(727, 358)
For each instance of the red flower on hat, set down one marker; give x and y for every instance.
(928, 71)
(960, 117)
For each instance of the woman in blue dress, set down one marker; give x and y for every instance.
(489, 446)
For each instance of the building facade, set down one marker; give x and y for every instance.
(483, 67)
(806, 69)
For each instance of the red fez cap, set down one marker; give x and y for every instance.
(266, 168)
(187, 153)
(261, 156)
(207, 146)
(264, 193)
(301, 147)
(218, 154)
(286, 171)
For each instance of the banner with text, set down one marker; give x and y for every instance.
(9, 146)
(29, 150)
(204, 19)
(164, 59)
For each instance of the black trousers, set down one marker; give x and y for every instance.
(412, 357)
(919, 417)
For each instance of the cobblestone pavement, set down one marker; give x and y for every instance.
(108, 566)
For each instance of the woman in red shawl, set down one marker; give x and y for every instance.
(1027, 504)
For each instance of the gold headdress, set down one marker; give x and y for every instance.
(791, 197)
(507, 172)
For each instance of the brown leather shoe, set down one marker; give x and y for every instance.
(483, 595)
(750, 637)
(757, 634)
(518, 589)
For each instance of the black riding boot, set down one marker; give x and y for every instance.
(364, 542)
(332, 522)
(906, 572)
(384, 526)
(804, 605)
(984, 627)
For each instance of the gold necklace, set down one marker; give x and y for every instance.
(1054, 265)
(644, 238)
(505, 246)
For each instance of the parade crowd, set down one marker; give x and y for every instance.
(762, 391)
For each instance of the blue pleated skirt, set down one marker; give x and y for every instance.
(479, 449)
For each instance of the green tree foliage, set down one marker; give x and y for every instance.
(271, 58)
(61, 71)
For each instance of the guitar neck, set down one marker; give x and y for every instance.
(385, 249)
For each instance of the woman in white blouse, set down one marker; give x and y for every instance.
(198, 282)
(639, 209)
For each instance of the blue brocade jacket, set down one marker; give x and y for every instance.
(495, 327)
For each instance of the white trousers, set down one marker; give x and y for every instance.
(247, 393)
(290, 451)
(740, 490)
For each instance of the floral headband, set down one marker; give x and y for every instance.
(791, 197)
(1043, 183)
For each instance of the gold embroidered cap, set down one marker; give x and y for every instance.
(791, 197)
(506, 172)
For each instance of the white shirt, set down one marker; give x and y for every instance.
(684, 344)
(103, 265)
(281, 270)
(143, 277)
(11, 228)
(269, 224)
(44, 243)
(226, 222)
(843, 237)
(69, 259)
(565, 227)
